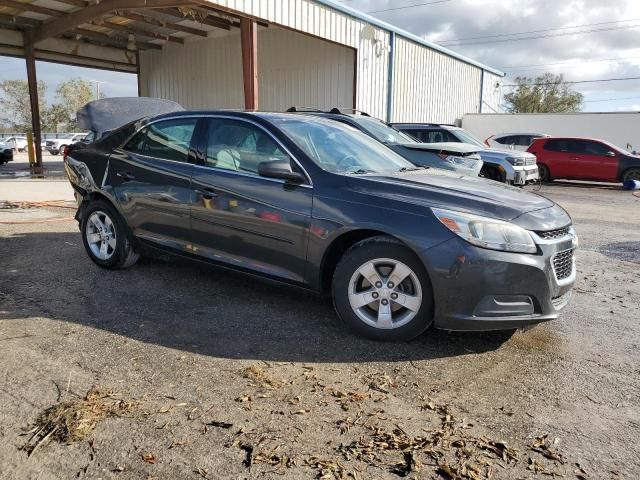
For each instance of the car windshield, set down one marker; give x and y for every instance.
(466, 137)
(383, 132)
(338, 148)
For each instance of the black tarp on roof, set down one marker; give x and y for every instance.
(107, 114)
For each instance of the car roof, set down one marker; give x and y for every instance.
(510, 134)
(424, 125)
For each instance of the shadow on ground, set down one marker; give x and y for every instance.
(625, 251)
(190, 306)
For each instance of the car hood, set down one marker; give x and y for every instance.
(465, 194)
(503, 153)
(452, 147)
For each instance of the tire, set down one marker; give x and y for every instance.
(350, 290)
(631, 174)
(61, 150)
(493, 173)
(543, 173)
(118, 250)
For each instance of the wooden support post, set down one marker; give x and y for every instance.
(32, 81)
(249, 38)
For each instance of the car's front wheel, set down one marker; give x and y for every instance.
(382, 290)
(105, 236)
(631, 174)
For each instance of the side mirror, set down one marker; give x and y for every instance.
(280, 169)
(611, 154)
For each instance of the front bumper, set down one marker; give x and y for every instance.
(477, 289)
(524, 175)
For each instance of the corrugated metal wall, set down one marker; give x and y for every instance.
(491, 93)
(428, 85)
(200, 74)
(432, 87)
(294, 69)
(319, 20)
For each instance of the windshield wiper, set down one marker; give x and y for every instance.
(412, 169)
(361, 171)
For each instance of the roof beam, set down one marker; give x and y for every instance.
(159, 23)
(29, 7)
(130, 28)
(92, 12)
(210, 20)
(116, 40)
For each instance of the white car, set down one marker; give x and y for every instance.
(55, 146)
(17, 144)
(514, 141)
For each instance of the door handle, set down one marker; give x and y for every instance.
(126, 176)
(208, 193)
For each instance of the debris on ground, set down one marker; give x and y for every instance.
(257, 374)
(73, 420)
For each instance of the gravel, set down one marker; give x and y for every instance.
(237, 378)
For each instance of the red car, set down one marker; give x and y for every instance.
(584, 159)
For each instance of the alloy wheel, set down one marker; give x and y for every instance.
(101, 235)
(385, 293)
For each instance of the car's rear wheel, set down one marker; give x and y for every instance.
(631, 174)
(543, 173)
(105, 237)
(382, 290)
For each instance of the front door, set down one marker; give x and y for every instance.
(240, 218)
(596, 161)
(151, 180)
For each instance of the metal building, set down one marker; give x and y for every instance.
(265, 54)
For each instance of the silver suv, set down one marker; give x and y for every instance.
(506, 166)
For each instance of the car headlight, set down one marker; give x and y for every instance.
(487, 232)
(516, 162)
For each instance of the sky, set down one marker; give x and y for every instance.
(582, 39)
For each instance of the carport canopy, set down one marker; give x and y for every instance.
(109, 34)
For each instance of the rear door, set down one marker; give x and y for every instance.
(240, 218)
(151, 180)
(559, 155)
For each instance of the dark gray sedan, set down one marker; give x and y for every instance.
(311, 202)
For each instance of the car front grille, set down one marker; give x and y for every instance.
(529, 161)
(563, 264)
(554, 234)
(50, 144)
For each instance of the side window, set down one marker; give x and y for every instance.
(136, 144)
(595, 148)
(505, 140)
(557, 146)
(524, 140)
(169, 140)
(240, 146)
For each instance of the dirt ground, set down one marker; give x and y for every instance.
(205, 374)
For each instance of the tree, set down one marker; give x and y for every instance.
(548, 93)
(55, 119)
(17, 105)
(73, 94)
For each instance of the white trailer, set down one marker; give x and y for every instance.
(621, 128)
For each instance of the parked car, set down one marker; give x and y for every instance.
(584, 159)
(6, 153)
(506, 166)
(459, 158)
(312, 202)
(18, 144)
(514, 141)
(56, 146)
